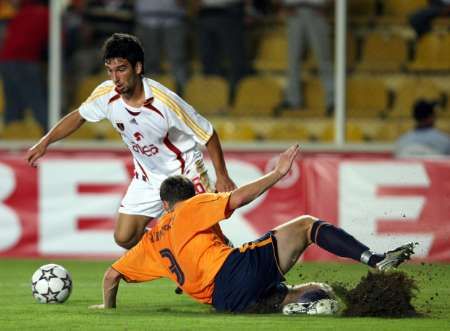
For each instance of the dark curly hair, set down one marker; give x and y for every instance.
(126, 46)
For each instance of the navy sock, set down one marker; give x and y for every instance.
(341, 243)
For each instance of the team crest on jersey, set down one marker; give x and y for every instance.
(120, 126)
(138, 136)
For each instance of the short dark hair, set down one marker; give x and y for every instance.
(423, 109)
(176, 188)
(126, 46)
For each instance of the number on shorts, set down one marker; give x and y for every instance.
(174, 267)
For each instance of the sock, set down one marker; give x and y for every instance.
(341, 243)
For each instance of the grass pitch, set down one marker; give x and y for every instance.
(154, 306)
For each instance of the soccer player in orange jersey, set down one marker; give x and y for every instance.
(187, 247)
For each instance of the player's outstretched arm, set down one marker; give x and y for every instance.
(111, 282)
(223, 181)
(68, 124)
(249, 192)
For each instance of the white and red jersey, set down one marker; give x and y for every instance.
(163, 135)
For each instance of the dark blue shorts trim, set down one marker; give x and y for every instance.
(247, 278)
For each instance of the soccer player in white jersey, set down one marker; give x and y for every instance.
(162, 132)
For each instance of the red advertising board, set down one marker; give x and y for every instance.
(66, 207)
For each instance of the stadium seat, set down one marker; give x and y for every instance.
(408, 92)
(235, 130)
(22, 130)
(87, 131)
(397, 11)
(388, 131)
(86, 87)
(432, 53)
(207, 94)
(166, 80)
(289, 130)
(272, 52)
(314, 95)
(257, 95)
(353, 134)
(366, 97)
(383, 52)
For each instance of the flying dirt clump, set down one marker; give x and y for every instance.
(379, 294)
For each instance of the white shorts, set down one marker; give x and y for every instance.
(142, 197)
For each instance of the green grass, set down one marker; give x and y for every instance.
(154, 306)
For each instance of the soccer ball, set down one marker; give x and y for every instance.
(51, 283)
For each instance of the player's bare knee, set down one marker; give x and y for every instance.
(305, 223)
(124, 240)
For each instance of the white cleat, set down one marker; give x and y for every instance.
(392, 259)
(320, 307)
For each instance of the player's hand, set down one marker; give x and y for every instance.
(100, 306)
(285, 160)
(224, 184)
(35, 153)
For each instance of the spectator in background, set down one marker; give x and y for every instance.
(221, 32)
(425, 139)
(161, 25)
(421, 20)
(87, 24)
(307, 23)
(24, 48)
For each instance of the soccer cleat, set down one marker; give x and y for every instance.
(393, 258)
(319, 307)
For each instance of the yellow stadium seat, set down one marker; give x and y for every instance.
(409, 92)
(87, 131)
(314, 96)
(353, 133)
(257, 95)
(366, 97)
(383, 52)
(166, 80)
(287, 130)
(432, 53)
(235, 131)
(207, 94)
(22, 130)
(388, 131)
(272, 52)
(87, 86)
(399, 10)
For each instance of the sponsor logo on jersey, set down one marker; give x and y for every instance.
(147, 150)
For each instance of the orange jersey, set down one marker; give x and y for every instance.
(186, 245)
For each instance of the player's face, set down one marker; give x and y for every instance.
(122, 73)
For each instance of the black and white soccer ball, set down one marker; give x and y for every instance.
(51, 283)
(316, 301)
